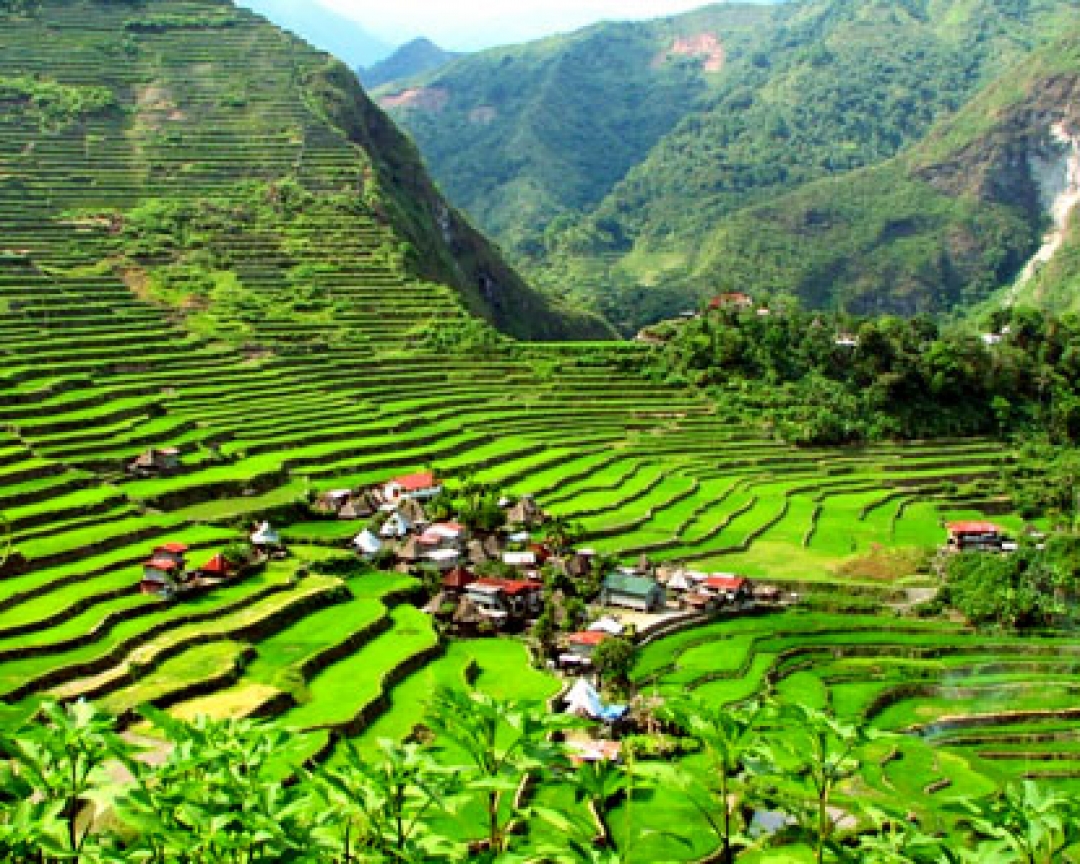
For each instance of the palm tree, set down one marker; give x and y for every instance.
(561, 533)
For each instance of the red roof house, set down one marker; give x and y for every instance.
(216, 566)
(732, 298)
(458, 579)
(175, 548)
(732, 586)
(418, 486)
(583, 644)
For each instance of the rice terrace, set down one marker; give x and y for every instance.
(325, 538)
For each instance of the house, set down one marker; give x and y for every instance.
(846, 340)
(410, 552)
(267, 540)
(520, 560)
(155, 461)
(443, 534)
(362, 506)
(171, 552)
(594, 751)
(608, 625)
(395, 527)
(457, 580)
(412, 510)
(980, 536)
(217, 567)
(506, 599)
(367, 544)
(583, 645)
(162, 575)
(444, 559)
(417, 487)
(582, 700)
(526, 513)
(729, 587)
(334, 500)
(731, 300)
(632, 592)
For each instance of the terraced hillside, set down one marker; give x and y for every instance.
(978, 711)
(170, 275)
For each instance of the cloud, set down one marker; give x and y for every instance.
(474, 24)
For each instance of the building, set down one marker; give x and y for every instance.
(632, 592)
(266, 540)
(164, 572)
(729, 587)
(416, 487)
(395, 527)
(583, 645)
(367, 545)
(504, 600)
(216, 568)
(975, 536)
(731, 300)
(155, 461)
(457, 580)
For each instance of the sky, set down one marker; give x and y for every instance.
(469, 25)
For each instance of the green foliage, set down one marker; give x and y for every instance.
(613, 659)
(56, 105)
(1029, 588)
(834, 379)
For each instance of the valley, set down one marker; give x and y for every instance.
(275, 420)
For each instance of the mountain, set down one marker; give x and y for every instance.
(810, 91)
(524, 135)
(322, 27)
(411, 59)
(942, 225)
(219, 133)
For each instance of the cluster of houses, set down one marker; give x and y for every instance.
(401, 530)
(167, 572)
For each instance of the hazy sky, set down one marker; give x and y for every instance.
(472, 24)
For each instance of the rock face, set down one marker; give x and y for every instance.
(1055, 169)
(707, 46)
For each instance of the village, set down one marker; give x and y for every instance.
(492, 564)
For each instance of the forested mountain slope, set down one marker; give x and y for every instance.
(946, 223)
(814, 90)
(413, 58)
(519, 136)
(174, 122)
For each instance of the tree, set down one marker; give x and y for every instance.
(730, 738)
(613, 659)
(504, 741)
(217, 797)
(60, 763)
(382, 803)
(822, 751)
(561, 534)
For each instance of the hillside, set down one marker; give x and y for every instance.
(212, 314)
(183, 139)
(945, 224)
(413, 58)
(814, 89)
(525, 135)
